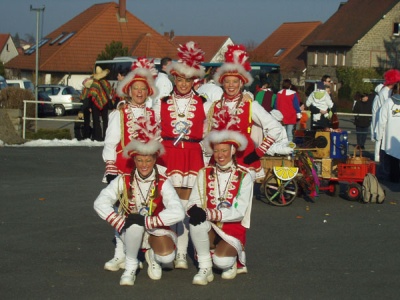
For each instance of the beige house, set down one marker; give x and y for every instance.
(7, 48)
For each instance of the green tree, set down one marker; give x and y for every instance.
(112, 50)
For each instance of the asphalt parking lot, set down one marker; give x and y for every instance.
(53, 245)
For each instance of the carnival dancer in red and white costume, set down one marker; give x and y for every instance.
(220, 206)
(233, 75)
(135, 88)
(149, 204)
(182, 117)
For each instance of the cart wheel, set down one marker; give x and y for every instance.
(331, 191)
(280, 193)
(353, 192)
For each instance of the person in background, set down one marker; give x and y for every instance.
(100, 94)
(182, 116)
(304, 117)
(162, 82)
(209, 89)
(363, 106)
(135, 87)
(287, 102)
(391, 78)
(148, 206)
(117, 99)
(387, 131)
(219, 208)
(86, 108)
(326, 80)
(320, 104)
(233, 75)
(266, 96)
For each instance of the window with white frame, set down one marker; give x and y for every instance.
(326, 56)
(335, 58)
(344, 58)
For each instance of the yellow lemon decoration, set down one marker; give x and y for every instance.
(285, 173)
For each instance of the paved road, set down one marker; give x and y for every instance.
(53, 245)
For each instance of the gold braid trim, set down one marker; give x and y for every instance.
(210, 114)
(122, 123)
(123, 199)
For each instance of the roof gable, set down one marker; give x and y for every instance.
(3, 40)
(350, 23)
(283, 46)
(93, 29)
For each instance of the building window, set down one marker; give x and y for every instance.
(335, 58)
(326, 56)
(396, 29)
(316, 58)
(344, 58)
(279, 52)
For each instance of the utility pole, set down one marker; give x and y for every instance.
(38, 10)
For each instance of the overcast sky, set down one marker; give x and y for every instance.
(243, 20)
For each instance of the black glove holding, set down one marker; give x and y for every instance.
(110, 177)
(197, 215)
(251, 157)
(133, 219)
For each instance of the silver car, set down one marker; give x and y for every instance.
(64, 97)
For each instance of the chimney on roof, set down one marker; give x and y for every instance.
(122, 9)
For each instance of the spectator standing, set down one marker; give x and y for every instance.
(148, 207)
(266, 96)
(220, 207)
(391, 78)
(387, 131)
(362, 106)
(320, 104)
(86, 108)
(182, 115)
(287, 103)
(100, 93)
(162, 82)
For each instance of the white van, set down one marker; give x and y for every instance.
(21, 83)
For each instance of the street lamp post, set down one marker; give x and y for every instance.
(38, 10)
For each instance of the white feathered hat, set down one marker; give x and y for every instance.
(189, 63)
(146, 141)
(141, 70)
(235, 64)
(225, 131)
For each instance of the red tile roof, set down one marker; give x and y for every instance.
(287, 38)
(209, 44)
(3, 40)
(95, 28)
(350, 23)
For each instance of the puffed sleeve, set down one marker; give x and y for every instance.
(105, 201)
(271, 127)
(113, 136)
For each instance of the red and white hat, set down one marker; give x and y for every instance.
(141, 70)
(146, 141)
(235, 64)
(225, 131)
(189, 63)
(392, 77)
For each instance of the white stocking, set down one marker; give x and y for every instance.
(201, 243)
(132, 238)
(182, 231)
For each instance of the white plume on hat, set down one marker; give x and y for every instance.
(189, 63)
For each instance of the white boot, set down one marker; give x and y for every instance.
(230, 273)
(180, 261)
(115, 264)
(203, 277)
(154, 270)
(128, 277)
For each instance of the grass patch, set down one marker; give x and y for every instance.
(49, 134)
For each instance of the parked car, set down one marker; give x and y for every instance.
(45, 107)
(21, 83)
(64, 97)
(3, 83)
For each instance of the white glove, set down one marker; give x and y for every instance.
(298, 115)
